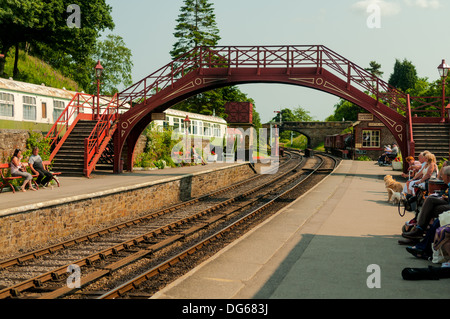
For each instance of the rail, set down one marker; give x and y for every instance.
(264, 57)
(134, 283)
(74, 111)
(95, 144)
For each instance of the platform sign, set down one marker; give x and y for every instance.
(365, 117)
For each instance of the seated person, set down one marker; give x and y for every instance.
(390, 156)
(428, 171)
(383, 158)
(17, 169)
(439, 176)
(414, 167)
(418, 174)
(432, 207)
(37, 167)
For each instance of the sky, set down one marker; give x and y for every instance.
(361, 31)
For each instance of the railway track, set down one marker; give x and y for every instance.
(142, 285)
(43, 273)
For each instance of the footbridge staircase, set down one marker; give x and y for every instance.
(80, 146)
(82, 137)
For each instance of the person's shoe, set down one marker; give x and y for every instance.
(414, 233)
(416, 252)
(408, 241)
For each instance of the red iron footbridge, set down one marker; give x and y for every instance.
(117, 122)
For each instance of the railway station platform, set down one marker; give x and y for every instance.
(36, 219)
(338, 241)
(100, 183)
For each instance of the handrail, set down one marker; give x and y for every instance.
(263, 57)
(68, 118)
(411, 143)
(96, 142)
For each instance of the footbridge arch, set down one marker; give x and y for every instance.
(207, 68)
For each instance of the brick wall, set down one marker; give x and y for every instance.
(27, 230)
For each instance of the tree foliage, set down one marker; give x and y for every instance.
(45, 21)
(116, 60)
(196, 26)
(404, 76)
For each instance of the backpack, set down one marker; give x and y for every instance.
(409, 202)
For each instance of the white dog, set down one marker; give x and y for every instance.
(393, 196)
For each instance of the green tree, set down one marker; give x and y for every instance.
(345, 110)
(404, 76)
(196, 27)
(45, 22)
(116, 60)
(375, 69)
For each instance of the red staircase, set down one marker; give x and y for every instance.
(80, 137)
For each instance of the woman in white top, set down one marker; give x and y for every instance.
(17, 169)
(428, 171)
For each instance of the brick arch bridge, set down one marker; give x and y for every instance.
(206, 68)
(315, 132)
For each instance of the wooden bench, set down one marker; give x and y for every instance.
(6, 180)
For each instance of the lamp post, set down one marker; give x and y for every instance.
(279, 112)
(98, 74)
(187, 122)
(443, 72)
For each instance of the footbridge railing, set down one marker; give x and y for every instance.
(266, 57)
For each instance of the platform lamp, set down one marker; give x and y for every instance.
(187, 123)
(98, 74)
(443, 72)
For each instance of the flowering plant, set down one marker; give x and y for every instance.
(213, 153)
(397, 159)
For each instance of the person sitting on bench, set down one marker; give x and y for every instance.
(17, 169)
(37, 167)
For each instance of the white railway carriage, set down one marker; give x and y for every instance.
(25, 105)
(206, 126)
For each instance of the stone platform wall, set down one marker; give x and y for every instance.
(29, 229)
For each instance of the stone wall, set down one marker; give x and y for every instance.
(10, 140)
(22, 231)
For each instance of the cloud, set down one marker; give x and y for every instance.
(424, 4)
(387, 8)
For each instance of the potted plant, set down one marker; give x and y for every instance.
(397, 164)
(212, 157)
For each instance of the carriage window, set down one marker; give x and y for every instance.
(6, 104)
(371, 138)
(58, 108)
(176, 123)
(206, 129)
(195, 127)
(216, 130)
(29, 108)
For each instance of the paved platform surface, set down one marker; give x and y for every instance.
(75, 188)
(320, 246)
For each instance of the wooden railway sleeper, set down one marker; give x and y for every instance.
(90, 237)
